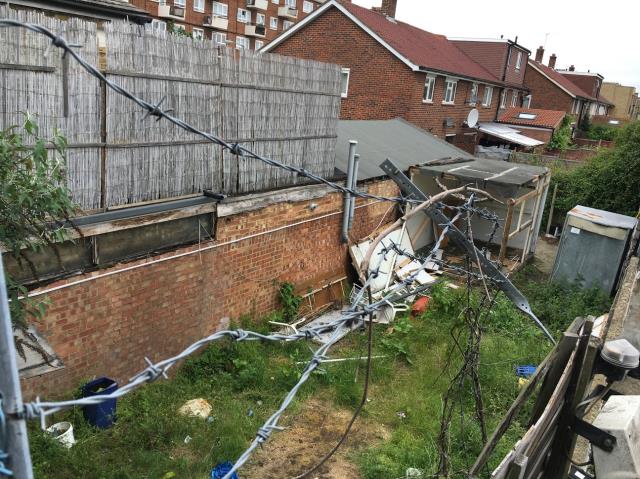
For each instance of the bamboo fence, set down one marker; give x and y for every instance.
(281, 107)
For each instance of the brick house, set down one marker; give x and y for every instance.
(534, 123)
(551, 90)
(245, 24)
(590, 83)
(392, 69)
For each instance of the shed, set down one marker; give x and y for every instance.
(592, 249)
(521, 190)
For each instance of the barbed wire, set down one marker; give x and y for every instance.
(155, 110)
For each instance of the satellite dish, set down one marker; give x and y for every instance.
(472, 118)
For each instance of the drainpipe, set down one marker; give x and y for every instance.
(354, 186)
(347, 196)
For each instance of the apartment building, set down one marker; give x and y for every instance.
(624, 99)
(392, 69)
(243, 24)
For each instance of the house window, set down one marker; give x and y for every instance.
(286, 25)
(277, 2)
(474, 94)
(242, 43)
(307, 7)
(158, 26)
(198, 5)
(244, 16)
(290, 3)
(450, 87)
(273, 23)
(344, 89)
(220, 38)
(259, 44)
(576, 106)
(429, 86)
(519, 60)
(260, 19)
(503, 99)
(179, 3)
(514, 98)
(220, 9)
(198, 33)
(488, 96)
(526, 103)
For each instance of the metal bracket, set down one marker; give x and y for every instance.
(411, 191)
(594, 435)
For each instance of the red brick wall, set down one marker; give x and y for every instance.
(380, 85)
(107, 326)
(513, 75)
(538, 134)
(545, 94)
(585, 82)
(235, 28)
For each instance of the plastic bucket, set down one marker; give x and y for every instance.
(104, 414)
(63, 433)
(221, 470)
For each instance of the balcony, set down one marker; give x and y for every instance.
(255, 31)
(258, 4)
(171, 11)
(214, 21)
(288, 12)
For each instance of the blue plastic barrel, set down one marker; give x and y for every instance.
(221, 470)
(104, 414)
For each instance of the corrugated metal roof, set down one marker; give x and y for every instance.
(508, 134)
(406, 144)
(605, 218)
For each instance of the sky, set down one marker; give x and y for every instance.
(600, 36)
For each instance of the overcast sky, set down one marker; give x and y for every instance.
(601, 36)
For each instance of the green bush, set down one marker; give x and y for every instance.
(561, 139)
(602, 132)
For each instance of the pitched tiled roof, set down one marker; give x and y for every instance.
(422, 48)
(561, 80)
(543, 119)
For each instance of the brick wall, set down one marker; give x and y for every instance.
(193, 18)
(381, 86)
(545, 94)
(107, 326)
(536, 133)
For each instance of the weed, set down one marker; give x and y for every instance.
(289, 301)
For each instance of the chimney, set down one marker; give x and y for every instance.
(572, 68)
(552, 61)
(388, 8)
(539, 54)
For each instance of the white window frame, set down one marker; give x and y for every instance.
(286, 25)
(277, 2)
(223, 8)
(519, 60)
(514, 98)
(429, 88)
(475, 89)
(450, 86)
(527, 99)
(197, 33)
(307, 6)
(273, 23)
(156, 25)
(261, 19)
(344, 86)
(259, 44)
(245, 41)
(503, 98)
(487, 96)
(180, 3)
(195, 6)
(243, 16)
(217, 36)
(291, 3)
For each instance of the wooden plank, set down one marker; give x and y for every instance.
(28, 68)
(517, 467)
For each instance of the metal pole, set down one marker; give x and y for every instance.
(347, 196)
(17, 443)
(354, 186)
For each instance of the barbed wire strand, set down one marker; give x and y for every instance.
(154, 110)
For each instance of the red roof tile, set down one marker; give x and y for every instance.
(560, 79)
(543, 119)
(422, 48)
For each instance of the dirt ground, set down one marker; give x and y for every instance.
(311, 433)
(545, 255)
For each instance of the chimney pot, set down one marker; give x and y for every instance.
(539, 54)
(552, 61)
(572, 68)
(388, 8)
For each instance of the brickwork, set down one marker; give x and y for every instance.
(545, 94)
(382, 87)
(107, 326)
(196, 19)
(535, 133)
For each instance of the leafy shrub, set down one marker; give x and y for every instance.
(561, 139)
(289, 301)
(602, 132)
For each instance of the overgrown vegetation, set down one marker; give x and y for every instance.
(608, 181)
(34, 202)
(289, 301)
(245, 382)
(601, 132)
(561, 138)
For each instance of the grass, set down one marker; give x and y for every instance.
(245, 382)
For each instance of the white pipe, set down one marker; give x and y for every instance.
(354, 186)
(347, 196)
(187, 253)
